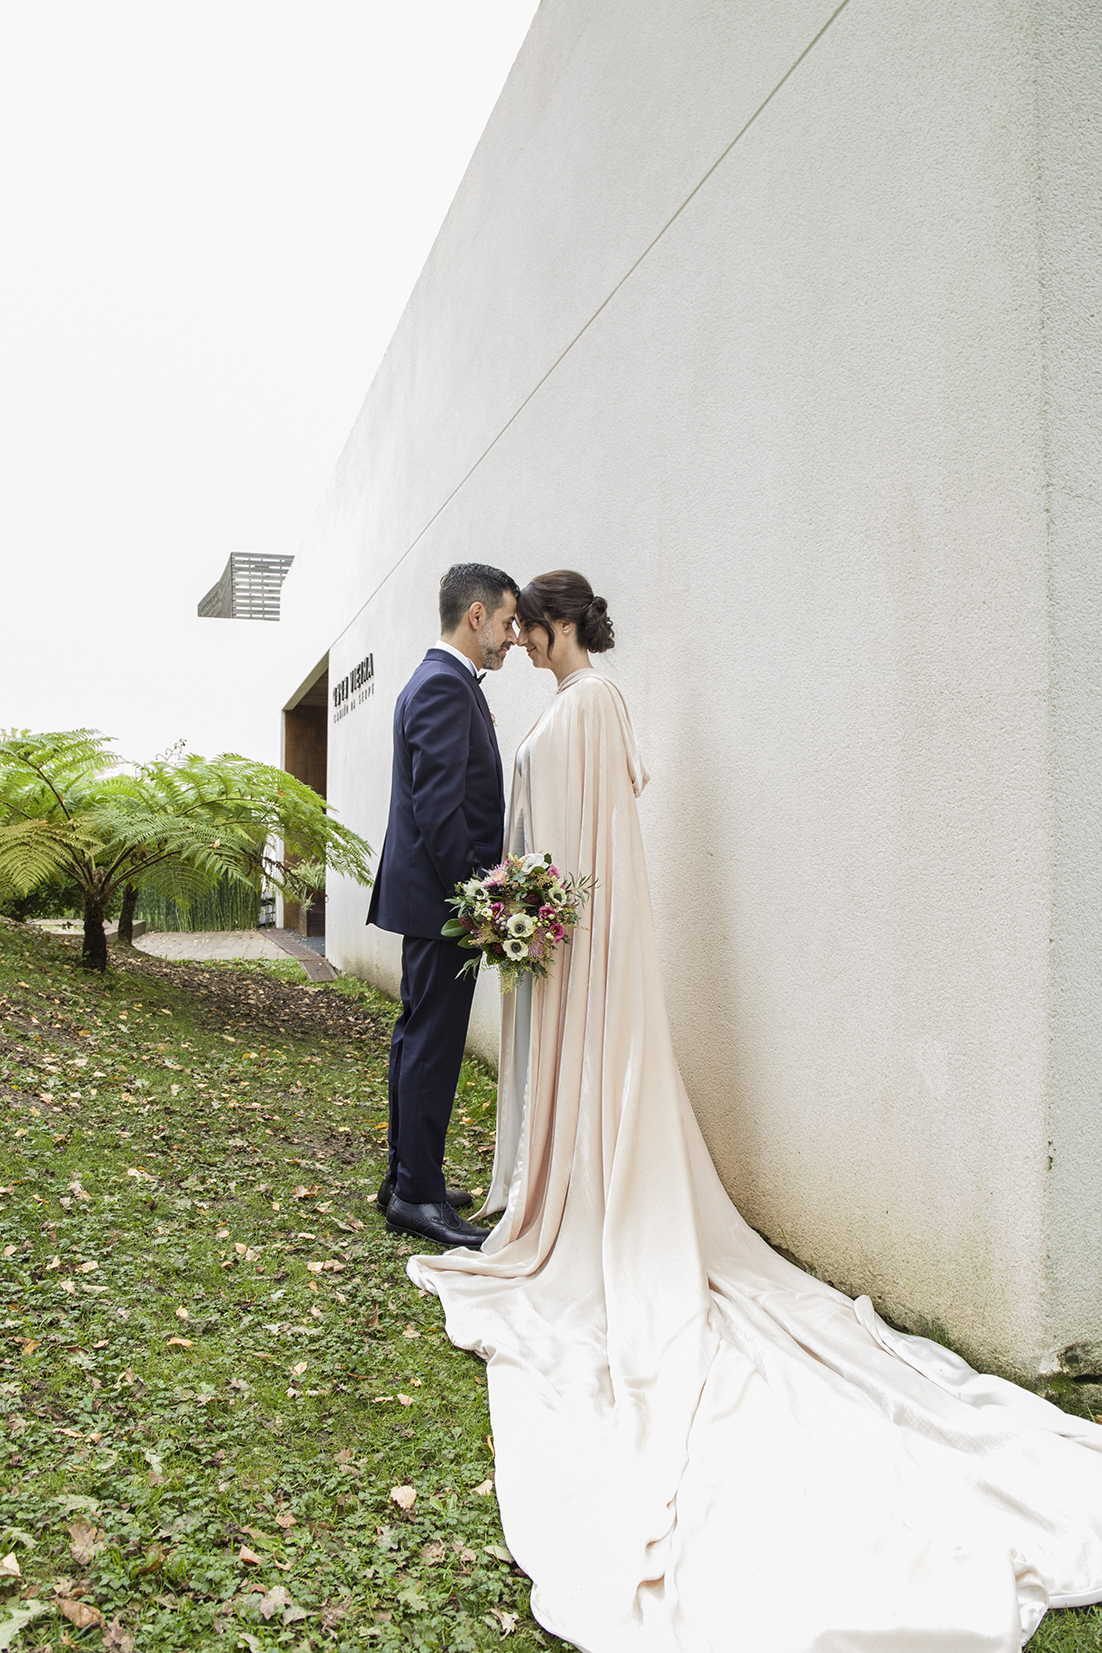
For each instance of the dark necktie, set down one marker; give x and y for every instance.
(478, 676)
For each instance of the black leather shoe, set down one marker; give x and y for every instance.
(438, 1223)
(457, 1198)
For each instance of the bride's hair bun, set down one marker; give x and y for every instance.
(595, 631)
(564, 595)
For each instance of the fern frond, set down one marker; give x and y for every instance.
(31, 852)
(58, 765)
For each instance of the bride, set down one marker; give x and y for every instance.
(698, 1446)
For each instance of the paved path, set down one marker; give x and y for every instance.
(315, 963)
(237, 944)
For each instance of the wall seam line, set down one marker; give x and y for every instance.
(605, 302)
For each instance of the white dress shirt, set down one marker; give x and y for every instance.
(470, 665)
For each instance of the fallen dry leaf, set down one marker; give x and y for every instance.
(333, 1612)
(406, 1400)
(345, 1455)
(286, 1520)
(182, 1342)
(411, 1331)
(249, 1557)
(9, 1567)
(404, 1497)
(298, 1368)
(484, 1490)
(116, 1639)
(182, 1314)
(433, 1554)
(275, 1600)
(86, 1541)
(506, 1622)
(68, 1285)
(79, 1613)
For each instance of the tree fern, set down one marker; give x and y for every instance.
(70, 808)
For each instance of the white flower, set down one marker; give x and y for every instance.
(515, 949)
(529, 863)
(521, 925)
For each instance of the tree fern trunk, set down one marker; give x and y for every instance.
(94, 953)
(126, 916)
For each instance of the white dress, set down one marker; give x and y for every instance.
(698, 1446)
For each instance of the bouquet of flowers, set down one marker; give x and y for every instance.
(515, 915)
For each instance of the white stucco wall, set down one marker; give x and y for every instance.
(776, 321)
(1070, 197)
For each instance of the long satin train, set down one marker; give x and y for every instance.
(698, 1446)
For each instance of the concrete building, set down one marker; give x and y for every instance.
(781, 322)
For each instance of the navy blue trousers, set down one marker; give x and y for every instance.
(426, 1052)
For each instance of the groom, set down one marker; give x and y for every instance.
(447, 818)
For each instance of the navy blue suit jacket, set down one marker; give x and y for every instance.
(447, 804)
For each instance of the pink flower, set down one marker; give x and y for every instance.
(546, 913)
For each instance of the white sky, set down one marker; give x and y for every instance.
(212, 214)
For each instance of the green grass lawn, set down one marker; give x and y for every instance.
(217, 1374)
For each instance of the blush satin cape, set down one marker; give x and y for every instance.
(698, 1446)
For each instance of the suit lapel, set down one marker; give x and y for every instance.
(488, 719)
(480, 699)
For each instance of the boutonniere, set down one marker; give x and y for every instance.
(493, 720)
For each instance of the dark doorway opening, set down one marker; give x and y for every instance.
(305, 756)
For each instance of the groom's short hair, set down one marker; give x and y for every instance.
(472, 582)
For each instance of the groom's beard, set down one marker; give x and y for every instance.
(493, 654)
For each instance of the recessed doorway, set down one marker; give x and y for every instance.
(305, 756)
